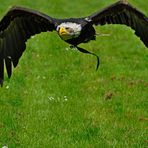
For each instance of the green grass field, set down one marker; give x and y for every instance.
(55, 97)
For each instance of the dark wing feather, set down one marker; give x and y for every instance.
(123, 13)
(18, 25)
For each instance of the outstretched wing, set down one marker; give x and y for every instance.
(123, 13)
(18, 25)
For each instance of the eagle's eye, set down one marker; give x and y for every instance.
(70, 30)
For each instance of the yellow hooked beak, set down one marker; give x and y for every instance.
(62, 31)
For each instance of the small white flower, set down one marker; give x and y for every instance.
(7, 87)
(65, 98)
(67, 48)
(51, 98)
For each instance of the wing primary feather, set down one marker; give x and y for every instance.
(18, 52)
(1, 72)
(22, 30)
(8, 66)
(25, 28)
(1, 62)
(1, 45)
(8, 50)
(21, 39)
(123, 21)
(7, 60)
(14, 42)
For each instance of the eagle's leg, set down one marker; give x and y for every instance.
(85, 51)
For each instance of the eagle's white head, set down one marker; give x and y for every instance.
(69, 30)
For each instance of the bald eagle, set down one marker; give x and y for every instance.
(19, 24)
